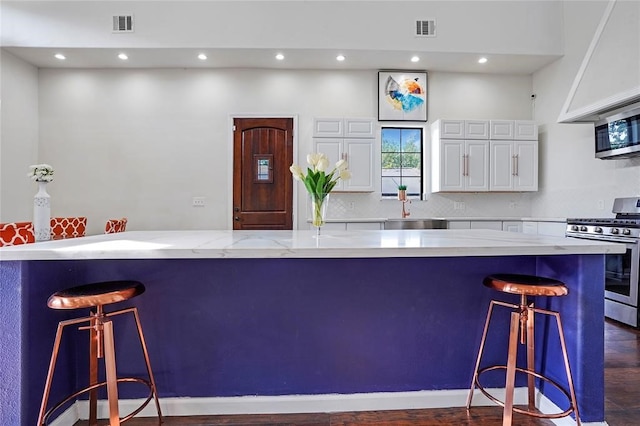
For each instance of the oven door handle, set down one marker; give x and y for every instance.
(607, 239)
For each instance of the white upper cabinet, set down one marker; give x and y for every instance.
(514, 166)
(460, 166)
(328, 127)
(526, 130)
(502, 129)
(351, 139)
(493, 155)
(476, 129)
(333, 127)
(359, 128)
(463, 129)
(451, 129)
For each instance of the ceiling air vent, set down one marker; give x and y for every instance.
(123, 24)
(426, 28)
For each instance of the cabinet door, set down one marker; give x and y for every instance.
(487, 224)
(477, 167)
(333, 149)
(328, 127)
(359, 155)
(512, 226)
(501, 129)
(452, 129)
(526, 130)
(364, 226)
(526, 166)
(502, 166)
(359, 128)
(458, 224)
(476, 129)
(451, 165)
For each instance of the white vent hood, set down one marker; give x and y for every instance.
(608, 79)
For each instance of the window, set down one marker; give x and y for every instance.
(401, 160)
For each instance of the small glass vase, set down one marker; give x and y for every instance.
(318, 210)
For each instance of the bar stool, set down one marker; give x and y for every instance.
(96, 296)
(522, 317)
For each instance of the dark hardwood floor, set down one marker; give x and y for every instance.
(622, 401)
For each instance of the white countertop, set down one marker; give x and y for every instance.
(304, 244)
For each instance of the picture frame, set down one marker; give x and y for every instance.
(402, 95)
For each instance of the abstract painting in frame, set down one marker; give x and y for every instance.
(402, 96)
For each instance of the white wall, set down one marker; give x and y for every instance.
(18, 137)
(572, 182)
(142, 143)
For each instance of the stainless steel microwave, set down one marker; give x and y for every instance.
(618, 136)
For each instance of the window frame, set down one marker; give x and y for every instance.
(421, 129)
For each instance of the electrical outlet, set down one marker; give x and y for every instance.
(458, 205)
(351, 205)
(600, 204)
(198, 201)
(513, 205)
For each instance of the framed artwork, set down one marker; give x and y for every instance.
(402, 96)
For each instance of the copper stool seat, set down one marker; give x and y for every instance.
(96, 296)
(522, 325)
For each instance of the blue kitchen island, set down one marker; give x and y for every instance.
(283, 321)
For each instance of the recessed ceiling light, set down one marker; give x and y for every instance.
(482, 60)
(340, 58)
(123, 56)
(202, 57)
(415, 59)
(280, 56)
(60, 56)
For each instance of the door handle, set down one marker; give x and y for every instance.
(237, 219)
(236, 209)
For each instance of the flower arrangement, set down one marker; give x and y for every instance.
(402, 187)
(41, 173)
(318, 183)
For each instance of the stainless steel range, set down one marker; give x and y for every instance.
(621, 270)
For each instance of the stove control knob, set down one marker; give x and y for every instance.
(626, 231)
(583, 229)
(574, 227)
(615, 231)
(598, 230)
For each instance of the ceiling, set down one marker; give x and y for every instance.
(309, 59)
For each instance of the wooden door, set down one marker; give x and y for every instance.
(262, 182)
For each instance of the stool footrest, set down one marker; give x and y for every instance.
(101, 384)
(486, 393)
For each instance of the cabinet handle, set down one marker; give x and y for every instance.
(465, 165)
(513, 165)
(517, 158)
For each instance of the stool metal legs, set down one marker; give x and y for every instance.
(101, 345)
(522, 325)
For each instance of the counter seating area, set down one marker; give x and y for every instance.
(247, 321)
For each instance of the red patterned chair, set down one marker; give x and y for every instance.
(12, 234)
(115, 225)
(68, 227)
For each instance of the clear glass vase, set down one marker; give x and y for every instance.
(318, 205)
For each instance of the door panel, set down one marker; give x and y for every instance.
(262, 183)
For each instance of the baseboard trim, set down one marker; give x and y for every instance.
(286, 404)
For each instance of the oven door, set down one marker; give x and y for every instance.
(621, 279)
(621, 275)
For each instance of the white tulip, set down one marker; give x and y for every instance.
(323, 163)
(345, 174)
(312, 159)
(296, 171)
(342, 165)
